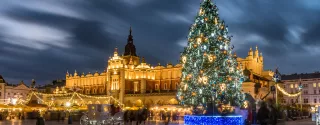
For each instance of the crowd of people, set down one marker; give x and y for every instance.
(267, 114)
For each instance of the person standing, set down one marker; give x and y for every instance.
(40, 120)
(273, 115)
(168, 115)
(263, 114)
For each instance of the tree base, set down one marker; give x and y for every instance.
(213, 120)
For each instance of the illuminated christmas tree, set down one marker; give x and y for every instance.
(210, 70)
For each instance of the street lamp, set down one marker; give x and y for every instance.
(14, 101)
(68, 104)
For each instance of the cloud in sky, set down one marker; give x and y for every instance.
(43, 39)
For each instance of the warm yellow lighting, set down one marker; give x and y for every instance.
(286, 93)
(200, 80)
(184, 59)
(211, 58)
(199, 40)
(185, 87)
(14, 101)
(223, 87)
(205, 79)
(68, 104)
(215, 20)
(245, 104)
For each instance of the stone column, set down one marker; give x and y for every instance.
(122, 86)
(143, 86)
(107, 82)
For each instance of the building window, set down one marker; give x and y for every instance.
(157, 87)
(291, 100)
(284, 101)
(291, 85)
(315, 100)
(314, 85)
(305, 100)
(115, 84)
(101, 91)
(165, 86)
(314, 91)
(305, 85)
(135, 86)
(305, 92)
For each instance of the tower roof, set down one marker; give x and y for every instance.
(130, 49)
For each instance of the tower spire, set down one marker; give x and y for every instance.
(130, 37)
(130, 30)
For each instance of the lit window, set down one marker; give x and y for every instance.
(157, 87)
(314, 84)
(291, 86)
(319, 84)
(296, 86)
(135, 86)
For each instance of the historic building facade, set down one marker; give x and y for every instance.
(133, 81)
(310, 83)
(258, 80)
(10, 93)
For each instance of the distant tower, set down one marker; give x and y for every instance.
(256, 53)
(250, 53)
(130, 51)
(33, 83)
(130, 48)
(67, 74)
(75, 73)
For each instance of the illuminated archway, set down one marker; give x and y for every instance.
(97, 102)
(89, 102)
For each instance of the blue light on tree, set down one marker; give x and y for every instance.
(213, 120)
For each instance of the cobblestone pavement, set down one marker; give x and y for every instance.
(33, 122)
(301, 122)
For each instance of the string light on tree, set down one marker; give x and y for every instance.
(211, 65)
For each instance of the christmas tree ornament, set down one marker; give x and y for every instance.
(204, 80)
(195, 45)
(184, 59)
(215, 21)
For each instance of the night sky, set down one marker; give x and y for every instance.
(42, 39)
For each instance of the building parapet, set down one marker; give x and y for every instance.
(151, 94)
